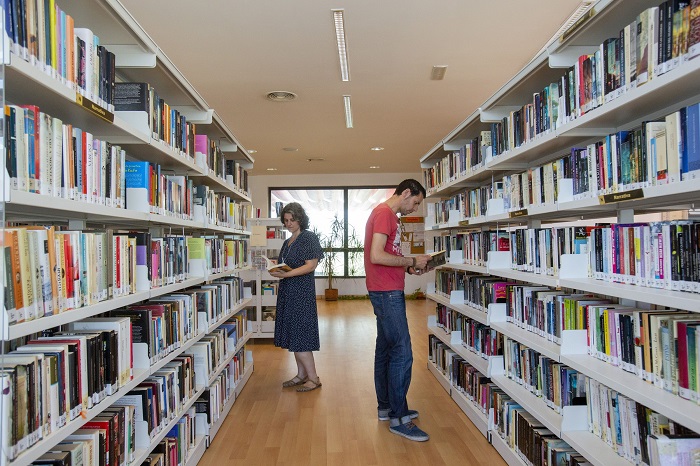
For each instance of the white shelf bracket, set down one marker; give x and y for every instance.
(625, 216)
(574, 266)
(574, 418)
(227, 146)
(574, 342)
(132, 56)
(453, 145)
(499, 260)
(496, 113)
(77, 224)
(455, 338)
(196, 114)
(457, 297)
(456, 256)
(569, 55)
(497, 313)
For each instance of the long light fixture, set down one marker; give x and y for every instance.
(339, 23)
(348, 111)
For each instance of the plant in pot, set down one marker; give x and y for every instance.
(331, 242)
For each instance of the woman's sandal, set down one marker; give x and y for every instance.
(304, 388)
(294, 381)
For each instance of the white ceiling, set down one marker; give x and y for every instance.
(236, 51)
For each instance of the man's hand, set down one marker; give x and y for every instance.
(422, 261)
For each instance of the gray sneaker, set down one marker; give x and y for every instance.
(383, 414)
(410, 431)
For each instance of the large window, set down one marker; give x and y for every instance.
(348, 207)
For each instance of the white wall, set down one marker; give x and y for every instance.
(259, 186)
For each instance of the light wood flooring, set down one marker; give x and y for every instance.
(337, 423)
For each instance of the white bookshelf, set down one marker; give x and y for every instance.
(138, 59)
(257, 274)
(662, 95)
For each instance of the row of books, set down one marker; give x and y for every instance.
(218, 209)
(476, 337)
(165, 123)
(634, 431)
(77, 269)
(47, 156)
(654, 254)
(526, 436)
(212, 402)
(43, 34)
(657, 152)
(475, 245)
(659, 346)
(52, 379)
(554, 382)
(210, 255)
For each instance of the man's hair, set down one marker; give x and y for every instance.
(298, 214)
(415, 187)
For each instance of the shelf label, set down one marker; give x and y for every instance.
(93, 108)
(518, 213)
(463, 223)
(621, 197)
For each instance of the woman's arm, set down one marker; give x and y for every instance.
(308, 267)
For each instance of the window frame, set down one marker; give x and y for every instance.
(344, 250)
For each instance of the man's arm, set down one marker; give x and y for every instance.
(377, 255)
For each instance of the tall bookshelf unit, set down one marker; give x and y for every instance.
(265, 285)
(137, 59)
(667, 92)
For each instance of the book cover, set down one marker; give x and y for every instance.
(694, 29)
(138, 184)
(273, 266)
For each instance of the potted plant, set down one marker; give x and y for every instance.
(330, 242)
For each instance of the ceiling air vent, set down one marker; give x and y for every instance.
(281, 96)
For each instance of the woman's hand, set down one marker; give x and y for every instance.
(279, 274)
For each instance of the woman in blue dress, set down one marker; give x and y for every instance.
(296, 323)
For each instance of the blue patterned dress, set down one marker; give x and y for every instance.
(296, 324)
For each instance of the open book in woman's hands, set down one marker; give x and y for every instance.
(273, 266)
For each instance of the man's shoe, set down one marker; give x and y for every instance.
(383, 414)
(410, 431)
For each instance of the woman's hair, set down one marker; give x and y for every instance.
(298, 214)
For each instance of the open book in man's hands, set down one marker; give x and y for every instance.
(275, 267)
(437, 258)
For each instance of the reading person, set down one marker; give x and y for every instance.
(385, 267)
(296, 322)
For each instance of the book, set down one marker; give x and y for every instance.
(271, 266)
(436, 259)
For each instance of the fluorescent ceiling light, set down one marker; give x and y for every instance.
(374, 166)
(339, 23)
(377, 148)
(252, 151)
(348, 111)
(272, 169)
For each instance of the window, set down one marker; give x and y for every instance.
(351, 206)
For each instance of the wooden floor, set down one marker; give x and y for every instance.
(337, 423)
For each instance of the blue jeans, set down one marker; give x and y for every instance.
(393, 356)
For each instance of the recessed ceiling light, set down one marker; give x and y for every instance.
(290, 149)
(272, 169)
(281, 96)
(377, 148)
(339, 24)
(315, 159)
(438, 72)
(374, 166)
(252, 151)
(348, 111)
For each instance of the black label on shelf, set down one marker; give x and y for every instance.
(518, 213)
(621, 197)
(93, 108)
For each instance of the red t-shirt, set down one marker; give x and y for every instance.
(381, 277)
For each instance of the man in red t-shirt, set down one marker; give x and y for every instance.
(385, 267)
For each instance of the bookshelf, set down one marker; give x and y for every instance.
(27, 80)
(264, 284)
(456, 181)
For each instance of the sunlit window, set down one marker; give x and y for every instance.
(338, 215)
